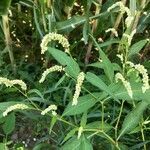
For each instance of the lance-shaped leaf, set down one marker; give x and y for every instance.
(72, 68)
(135, 48)
(133, 118)
(108, 67)
(96, 81)
(84, 103)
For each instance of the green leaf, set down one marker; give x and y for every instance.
(110, 42)
(83, 119)
(133, 7)
(85, 144)
(72, 68)
(72, 144)
(60, 81)
(9, 124)
(4, 6)
(53, 121)
(77, 144)
(108, 67)
(143, 22)
(133, 118)
(70, 134)
(96, 81)
(98, 125)
(3, 146)
(37, 92)
(70, 24)
(42, 146)
(84, 103)
(100, 65)
(5, 105)
(121, 93)
(135, 48)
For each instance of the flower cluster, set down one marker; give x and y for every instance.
(113, 30)
(120, 56)
(141, 69)
(126, 84)
(48, 109)
(15, 107)
(54, 37)
(80, 80)
(129, 37)
(49, 70)
(10, 83)
(80, 130)
(123, 9)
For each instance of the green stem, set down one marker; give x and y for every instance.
(116, 127)
(142, 134)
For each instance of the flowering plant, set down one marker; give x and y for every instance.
(102, 100)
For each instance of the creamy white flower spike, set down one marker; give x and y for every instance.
(80, 80)
(145, 77)
(80, 130)
(49, 70)
(54, 37)
(129, 37)
(123, 9)
(126, 84)
(117, 4)
(120, 56)
(113, 30)
(15, 107)
(141, 69)
(48, 109)
(10, 83)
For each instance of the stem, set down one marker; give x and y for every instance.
(26, 97)
(5, 21)
(111, 140)
(116, 127)
(105, 134)
(143, 137)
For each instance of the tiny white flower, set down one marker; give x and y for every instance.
(145, 77)
(141, 69)
(120, 56)
(15, 107)
(48, 109)
(49, 70)
(126, 84)
(129, 37)
(123, 9)
(113, 30)
(80, 80)
(54, 37)
(10, 83)
(21, 83)
(73, 26)
(54, 113)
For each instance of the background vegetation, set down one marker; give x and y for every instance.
(106, 116)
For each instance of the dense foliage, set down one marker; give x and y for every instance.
(74, 74)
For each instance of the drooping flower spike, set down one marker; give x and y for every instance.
(54, 37)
